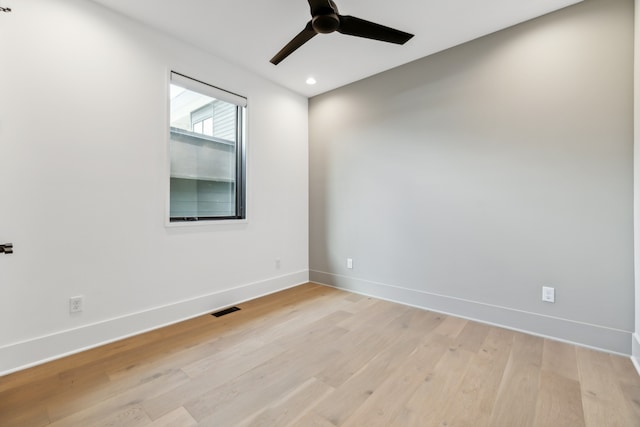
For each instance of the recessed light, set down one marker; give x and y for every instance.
(311, 81)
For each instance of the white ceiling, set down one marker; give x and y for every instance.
(248, 33)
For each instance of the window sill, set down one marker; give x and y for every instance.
(203, 223)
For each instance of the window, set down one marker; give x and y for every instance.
(207, 152)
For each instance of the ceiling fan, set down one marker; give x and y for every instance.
(325, 19)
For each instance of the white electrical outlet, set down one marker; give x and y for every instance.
(349, 263)
(548, 294)
(75, 304)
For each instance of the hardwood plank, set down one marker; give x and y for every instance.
(42, 390)
(378, 409)
(321, 332)
(214, 359)
(89, 408)
(359, 346)
(472, 336)
(340, 404)
(291, 407)
(625, 370)
(632, 398)
(354, 350)
(312, 419)
(602, 399)
(356, 297)
(560, 358)
(428, 405)
(559, 401)
(261, 387)
(177, 418)
(451, 326)
(128, 416)
(379, 310)
(297, 317)
(472, 403)
(358, 305)
(33, 415)
(518, 393)
(221, 370)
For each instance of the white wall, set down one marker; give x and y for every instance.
(465, 181)
(84, 185)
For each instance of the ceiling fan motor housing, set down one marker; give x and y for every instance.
(325, 24)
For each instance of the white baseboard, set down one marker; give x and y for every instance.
(635, 351)
(18, 356)
(587, 335)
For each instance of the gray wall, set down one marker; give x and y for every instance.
(465, 181)
(636, 162)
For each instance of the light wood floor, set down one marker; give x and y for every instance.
(316, 356)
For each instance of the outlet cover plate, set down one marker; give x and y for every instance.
(548, 294)
(75, 304)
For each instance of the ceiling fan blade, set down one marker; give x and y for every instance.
(322, 7)
(302, 37)
(353, 26)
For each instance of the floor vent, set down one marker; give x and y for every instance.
(225, 311)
